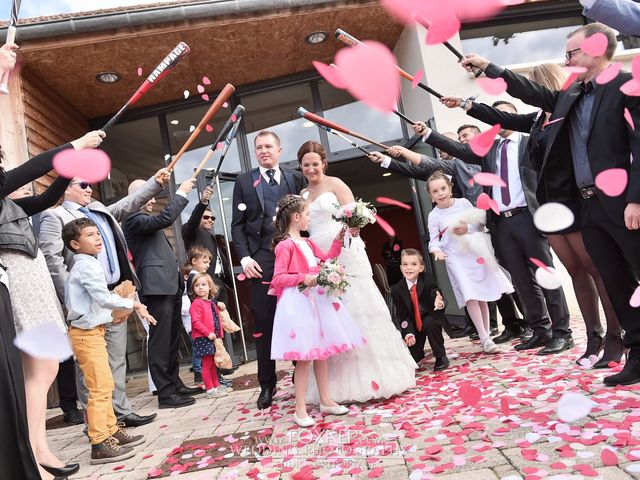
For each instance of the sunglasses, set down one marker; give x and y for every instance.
(83, 185)
(208, 217)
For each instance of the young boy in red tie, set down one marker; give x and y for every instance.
(420, 309)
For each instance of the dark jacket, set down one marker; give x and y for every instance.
(155, 261)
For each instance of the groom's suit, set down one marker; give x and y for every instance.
(254, 203)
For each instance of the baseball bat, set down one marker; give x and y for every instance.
(312, 117)
(224, 95)
(227, 144)
(231, 121)
(11, 37)
(457, 53)
(352, 41)
(162, 70)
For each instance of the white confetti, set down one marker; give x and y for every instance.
(242, 207)
(548, 278)
(44, 341)
(191, 128)
(552, 217)
(175, 122)
(574, 406)
(186, 94)
(633, 468)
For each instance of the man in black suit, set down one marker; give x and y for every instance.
(428, 319)
(514, 233)
(255, 196)
(589, 136)
(161, 291)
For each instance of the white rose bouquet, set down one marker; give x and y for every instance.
(356, 214)
(332, 279)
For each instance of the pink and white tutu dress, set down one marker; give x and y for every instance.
(308, 325)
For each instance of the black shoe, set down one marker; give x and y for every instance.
(189, 391)
(526, 335)
(474, 336)
(67, 470)
(266, 397)
(507, 335)
(135, 420)
(613, 351)
(535, 341)
(460, 332)
(629, 375)
(595, 344)
(73, 417)
(175, 401)
(557, 345)
(494, 331)
(197, 377)
(442, 363)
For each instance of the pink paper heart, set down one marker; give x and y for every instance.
(635, 67)
(208, 128)
(539, 264)
(88, 164)
(336, 306)
(595, 45)
(417, 78)
(200, 89)
(391, 201)
(482, 202)
(631, 88)
(384, 225)
(241, 277)
(407, 10)
(469, 395)
(441, 27)
(374, 385)
(139, 71)
(609, 458)
(612, 181)
(292, 334)
(489, 179)
(609, 73)
(331, 74)
(396, 248)
(569, 81)
(382, 90)
(634, 301)
(480, 261)
(476, 11)
(627, 117)
(206, 80)
(257, 335)
(482, 143)
(492, 86)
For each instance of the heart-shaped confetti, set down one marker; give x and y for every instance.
(417, 78)
(44, 341)
(391, 201)
(634, 301)
(482, 143)
(469, 395)
(612, 182)
(492, 86)
(87, 164)
(609, 73)
(595, 45)
(382, 223)
(488, 179)
(548, 278)
(552, 217)
(574, 406)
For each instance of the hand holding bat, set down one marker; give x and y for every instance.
(7, 57)
(473, 60)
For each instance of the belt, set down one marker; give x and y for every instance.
(513, 211)
(588, 192)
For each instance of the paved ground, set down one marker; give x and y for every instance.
(487, 417)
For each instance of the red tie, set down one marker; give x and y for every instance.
(416, 307)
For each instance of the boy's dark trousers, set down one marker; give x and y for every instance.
(432, 332)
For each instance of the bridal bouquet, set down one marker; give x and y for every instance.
(332, 279)
(356, 214)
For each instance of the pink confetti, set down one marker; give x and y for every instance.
(396, 247)
(88, 164)
(241, 277)
(256, 183)
(384, 225)
(336, 306)
(631, 88)
(225, 105)
(609, 458)
(391, 201)
(205, 97)
(118, 467)
(488, 179)
(404, 324)
(139, 71)
(208, 128)
(220, 146)
(200, 89)
(154, 472)
(380, 91)
(627, 117)
(482, 143)
(570, 80)
(331, 74)
(480, 260)
(444, 26)
(257, 335)
(492, 86)
(233, 118)
(485, 202)
(634, 301)
(417, 78)
(612, 182)
(595, 45)
(475, 11)
(539, 264)
(469, 395)
(292, 334)
(550, 122)
(375, 386)
(609, 73)
(206, 80)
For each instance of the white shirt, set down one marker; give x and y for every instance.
(276, 176)
(515, 183)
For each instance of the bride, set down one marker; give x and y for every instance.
(383, 367)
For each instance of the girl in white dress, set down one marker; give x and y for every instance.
(309, 325)
(455, 229)
(383, 367)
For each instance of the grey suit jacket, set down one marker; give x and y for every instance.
(60, 259)
(156, 262)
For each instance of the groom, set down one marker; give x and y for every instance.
(255, 196)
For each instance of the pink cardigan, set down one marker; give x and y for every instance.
(291, 264)
(202, 319)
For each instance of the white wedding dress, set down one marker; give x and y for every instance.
(383, 367)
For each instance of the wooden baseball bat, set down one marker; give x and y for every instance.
(11, 37)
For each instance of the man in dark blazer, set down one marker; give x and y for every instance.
(516, 237)
(161, 291)
(431, 306)
(255, 196)
(589, 136)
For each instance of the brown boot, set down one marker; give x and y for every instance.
(126, 440)
(109, 451)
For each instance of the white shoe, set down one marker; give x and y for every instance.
(488, 346)
(225, 388)
(216, 392)
(304, 422)
(337, 410)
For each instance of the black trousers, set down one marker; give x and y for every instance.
(164, 342)
(263, 307)
(431, 331)
(615, 251)
(16, 457)
(66, 381)
(519, 240)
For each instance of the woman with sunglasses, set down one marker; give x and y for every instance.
(24, 268)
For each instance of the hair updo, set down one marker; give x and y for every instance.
(313, 147)
(287, 206)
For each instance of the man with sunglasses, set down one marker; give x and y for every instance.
(588, 135)
(115, 263)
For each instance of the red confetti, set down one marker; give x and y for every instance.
(208, 128)
(233, 118)
(391, 201)
(539, 264)
(241, 277)
(257, 335)
(608, 457)
(375, 385)
(480, 260)
(482, 143)
(118, 467)
(396, 247)
(470, 395)
(385, 226)
(205, 97)
(336, 306)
